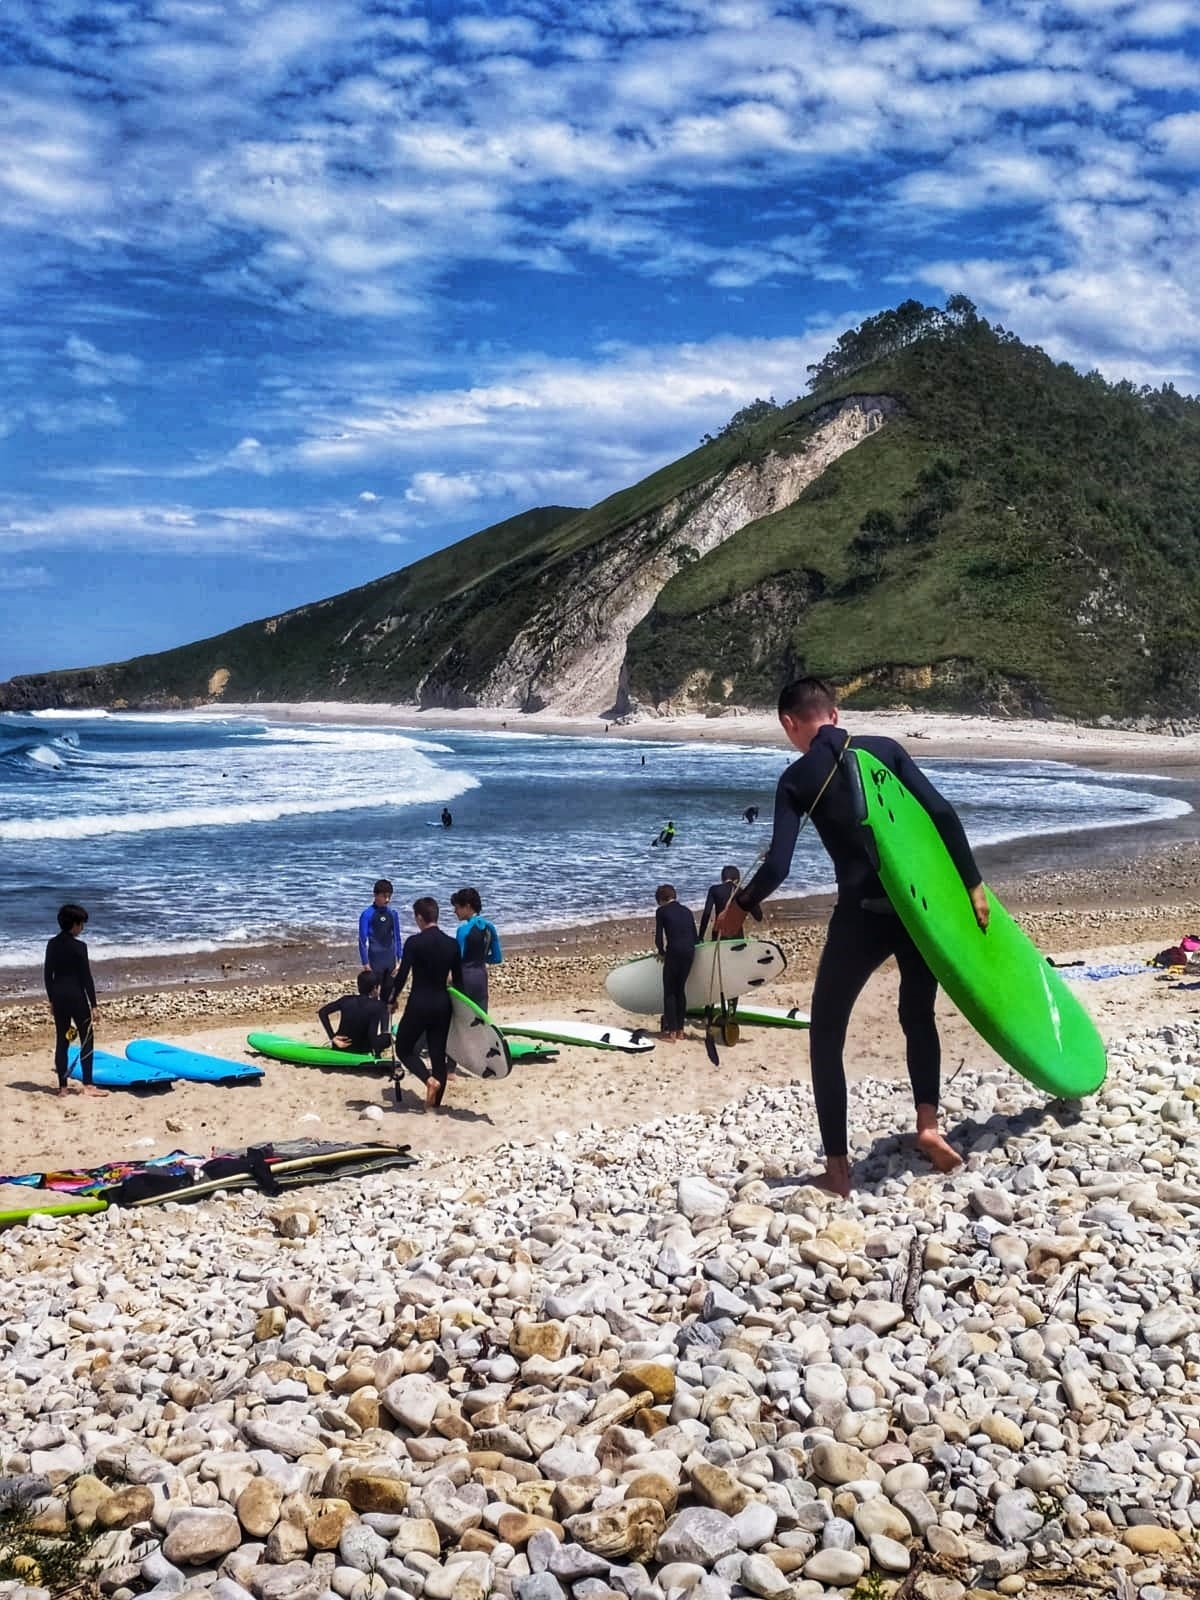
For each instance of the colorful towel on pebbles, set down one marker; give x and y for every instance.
(272, 1168)
(1110, 969)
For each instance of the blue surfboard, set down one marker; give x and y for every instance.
(115, 1072)
(191, 1065)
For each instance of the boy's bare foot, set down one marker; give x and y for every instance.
(931, 1143)
(66, 1090)
(94, 1093)
(668, 1038)
(834, 1180)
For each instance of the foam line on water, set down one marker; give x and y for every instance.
(100, 825)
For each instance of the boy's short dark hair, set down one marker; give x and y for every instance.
(467, 897)
(382, 886)
(426, 908)
(368, 983)
(71, 916)
(664, 893)
(731, 874)
(806, 698)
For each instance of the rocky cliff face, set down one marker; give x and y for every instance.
(570, 654)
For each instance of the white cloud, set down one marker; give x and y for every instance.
(186, 529)
(1178, 137)
(95, 368)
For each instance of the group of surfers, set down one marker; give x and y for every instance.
(863, 933)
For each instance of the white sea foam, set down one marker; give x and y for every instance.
(99, 825)
(44, 756)
(133, 950)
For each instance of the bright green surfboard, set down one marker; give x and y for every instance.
(999, 980)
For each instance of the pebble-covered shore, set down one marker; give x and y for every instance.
(645, 1364)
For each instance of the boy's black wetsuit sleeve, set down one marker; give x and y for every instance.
(712, 906)
(326, 1012)
(456, 977)
(837, 820)
(660, 932)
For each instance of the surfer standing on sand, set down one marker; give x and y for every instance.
(675, 941)
(863, 930)
(478, 943)
(379, 941)
(432, 960)
(718, 895)
(71, 992)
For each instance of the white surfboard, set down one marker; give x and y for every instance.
(746, 965)
(476, 1044)
(756, 1016)
(592, 1035)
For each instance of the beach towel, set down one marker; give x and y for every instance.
(1109, 969)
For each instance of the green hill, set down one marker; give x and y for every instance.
(948, 518)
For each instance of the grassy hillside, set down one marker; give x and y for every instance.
(1016, 536)
(1022, 537)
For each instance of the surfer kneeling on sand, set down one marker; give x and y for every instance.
(675, 941)
(863, 930)
(432, 960)
(363, 1019)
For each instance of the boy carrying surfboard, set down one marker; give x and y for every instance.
(863, 930)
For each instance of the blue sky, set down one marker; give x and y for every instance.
(294, 291)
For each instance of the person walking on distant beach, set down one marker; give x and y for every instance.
(675, 941)
(718, 895)
(71, 991)
(364, 1024)
(432, 960)
(863, 930)
(478, 943)
(379, 941)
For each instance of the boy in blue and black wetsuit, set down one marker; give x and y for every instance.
(479, 944)
(379, 941)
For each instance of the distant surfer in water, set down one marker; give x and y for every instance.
(364, 1024)
(667, 836)
(718, 896)
(71, 991)
(478, 943)
(675, 941)
(750, 814)
(431, 958)
(863, 930)
(447, 819)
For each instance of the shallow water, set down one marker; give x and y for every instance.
(198, 832)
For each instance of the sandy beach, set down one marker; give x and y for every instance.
(1107, 895)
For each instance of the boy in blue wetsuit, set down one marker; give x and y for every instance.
(379, 941)
(479, 944)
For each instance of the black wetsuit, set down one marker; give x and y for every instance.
(675, 941)
(72, 994)
(863, 931)
(714, 903)
(431, 958)
(362, 1019)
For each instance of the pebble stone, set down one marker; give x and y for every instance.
(641, 1362)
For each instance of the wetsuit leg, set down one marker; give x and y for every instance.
(675, 976)
(475, 983)
(857, 943)
(918, 993)
(72, 1010)
(384, 974)
(436, 1034)
(407, 1040)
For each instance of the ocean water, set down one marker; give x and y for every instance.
(193, 833)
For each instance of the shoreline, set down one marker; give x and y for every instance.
(937, 733)
(1010, 865)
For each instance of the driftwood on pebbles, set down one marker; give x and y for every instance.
(643, 1364)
